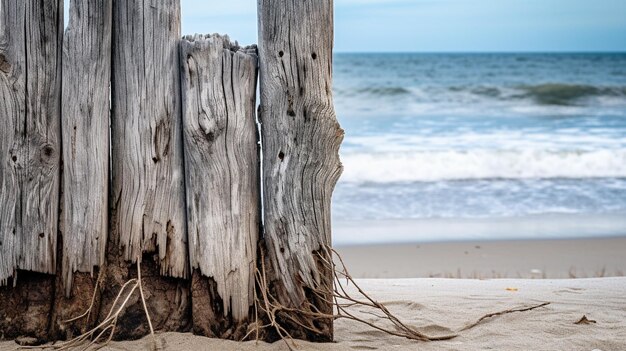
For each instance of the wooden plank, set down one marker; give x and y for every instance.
(85, 107)
(301, 138)
(85, 128)
(147, 193)
(218, 82)
(30, 65)
(147, 154)
(30, 59)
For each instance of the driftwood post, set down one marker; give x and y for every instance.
(183, 192)
(148, 200)
(85, 121)
(221, 154)
(30, 70)
(301, 139)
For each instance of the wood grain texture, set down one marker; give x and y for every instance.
(218, 81)
(301, 138)
(31, 34)
(147, 155)
(85, 118)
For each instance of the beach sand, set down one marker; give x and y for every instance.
(440, 306)
(553, 259)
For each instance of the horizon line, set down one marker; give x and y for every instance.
(486, 52)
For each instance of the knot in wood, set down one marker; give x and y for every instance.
(47, 152)
(5, 66)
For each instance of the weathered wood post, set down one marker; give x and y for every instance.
(85, 130)
(148, 200)
(30, 70)
(301, 139)
(218, 81)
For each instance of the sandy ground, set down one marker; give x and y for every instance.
(440, 306)
(580, 258)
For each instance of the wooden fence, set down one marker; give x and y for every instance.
(123, 142)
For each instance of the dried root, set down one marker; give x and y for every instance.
(87, 313)
(494, 314)
(336, 293)
(100, 335)
(271, 314)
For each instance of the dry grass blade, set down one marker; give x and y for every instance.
(106, 328)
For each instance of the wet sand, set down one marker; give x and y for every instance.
(554, 259)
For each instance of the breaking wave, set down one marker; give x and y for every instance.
(567, 94)
(560, 94)
(388, 167)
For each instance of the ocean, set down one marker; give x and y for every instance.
(480, 146)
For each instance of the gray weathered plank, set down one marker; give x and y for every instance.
(85, 120)
(147, 192)
(147, 155)
(218, 82)
(30, 65)
(85, 178)
(301, 139)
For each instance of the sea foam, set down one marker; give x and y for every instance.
(482, 164)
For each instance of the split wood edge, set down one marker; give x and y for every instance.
(218, 89)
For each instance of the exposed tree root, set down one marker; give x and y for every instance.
(87, 313)
(271, 314)
(101, 335)
(494, 314)
(273, 311)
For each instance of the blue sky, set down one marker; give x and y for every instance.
(441, 25)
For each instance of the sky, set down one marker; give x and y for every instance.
(440, 25)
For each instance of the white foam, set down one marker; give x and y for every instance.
(408, 166)
(573, 139)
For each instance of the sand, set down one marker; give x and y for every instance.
(436, 305)
(440, 306)
(580, 258)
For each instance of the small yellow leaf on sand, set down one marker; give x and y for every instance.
(511, 289)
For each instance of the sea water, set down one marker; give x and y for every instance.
(480, 146)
